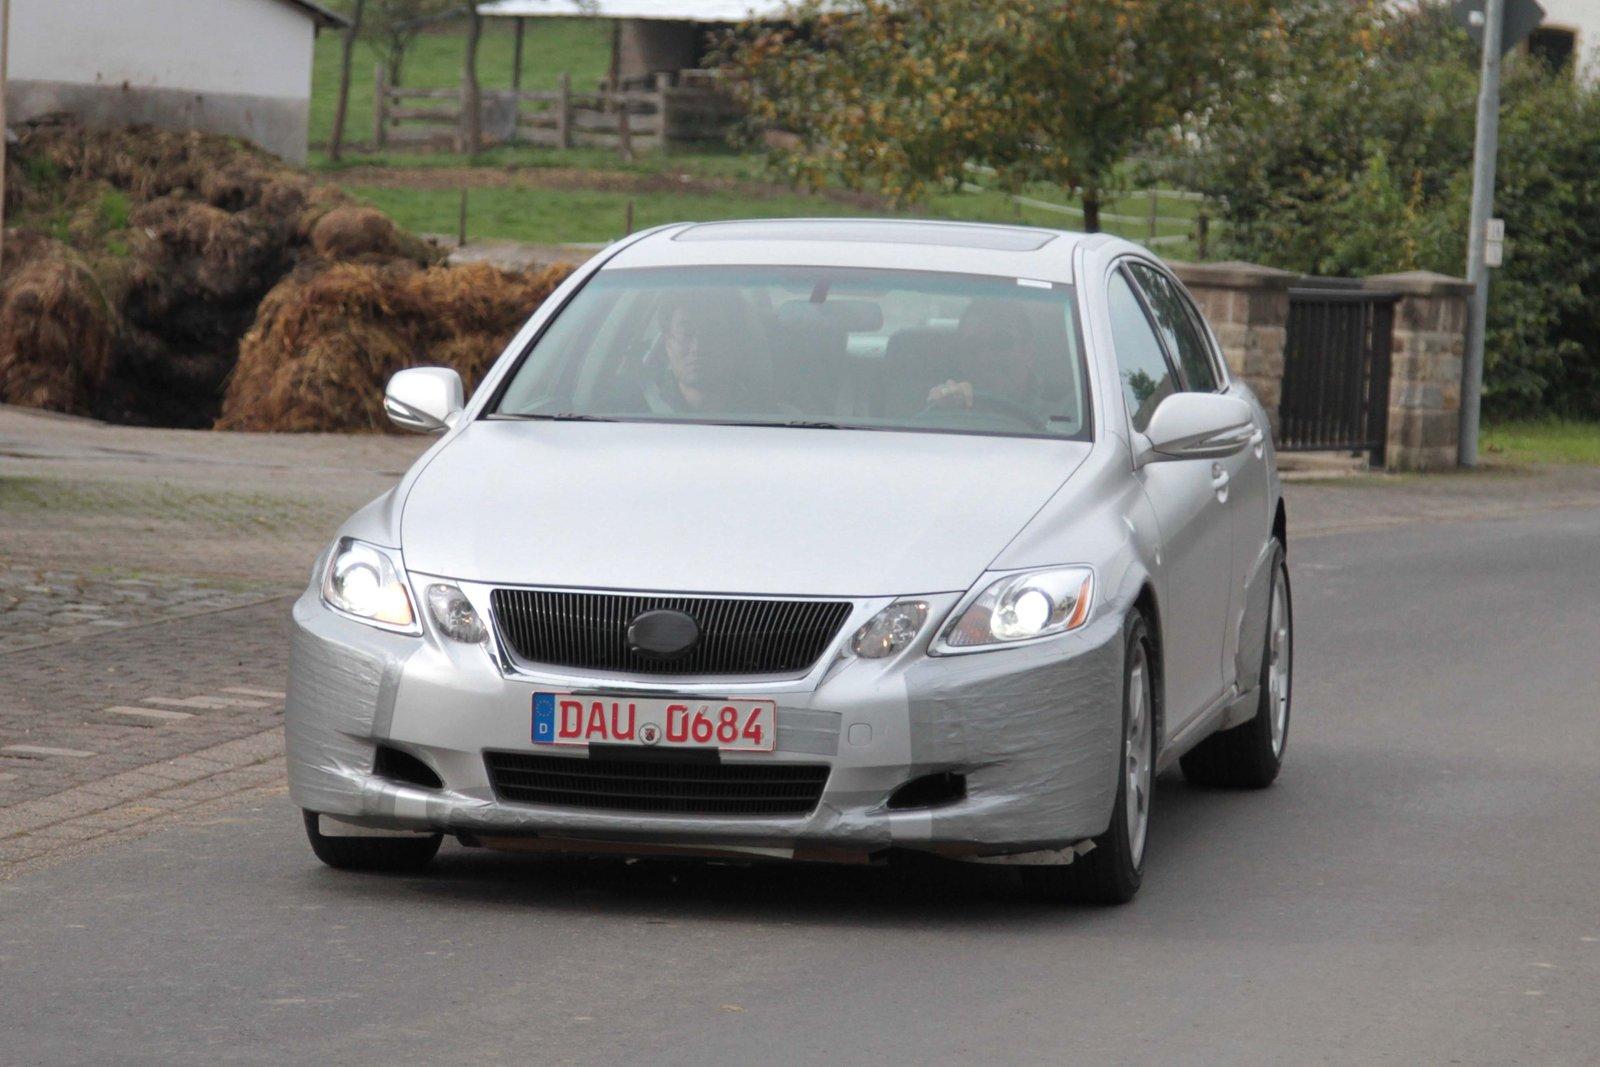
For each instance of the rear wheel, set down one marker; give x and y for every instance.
(1250, 755)
(1110, 873)
(410, 853)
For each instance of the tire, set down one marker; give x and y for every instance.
(1111, 872)
(1250, 755)
(372, 853)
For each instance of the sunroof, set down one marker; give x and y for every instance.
(951, 234)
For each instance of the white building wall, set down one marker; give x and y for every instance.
(1582, 16)
(228, 66)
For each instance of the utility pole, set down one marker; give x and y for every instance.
(1483, 167)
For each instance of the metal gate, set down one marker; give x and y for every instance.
(1336, 370)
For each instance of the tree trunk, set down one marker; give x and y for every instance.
(341, 108)
(397, 58)
(1091, 211)
(472, 97)
(516, 57)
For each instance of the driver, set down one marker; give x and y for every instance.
(997, 357)
(690, 371)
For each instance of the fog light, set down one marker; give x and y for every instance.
(454, 615)
(890, 630)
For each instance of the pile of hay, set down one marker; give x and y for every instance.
(327, 338)
(57, 326)
(171, 240)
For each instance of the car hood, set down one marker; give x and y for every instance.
(725, 509)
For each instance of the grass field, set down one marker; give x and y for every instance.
(580, 47)
(1543, 441)
(560, 216)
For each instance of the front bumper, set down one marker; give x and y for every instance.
(1035, 729)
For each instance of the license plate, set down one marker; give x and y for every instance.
(666, 722)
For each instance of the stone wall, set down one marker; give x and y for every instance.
(1430, 328)
(1248, 308)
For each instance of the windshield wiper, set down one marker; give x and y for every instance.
(563, 416)
(797, 424)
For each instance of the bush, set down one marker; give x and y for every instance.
(1359, 162)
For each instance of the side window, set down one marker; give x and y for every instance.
(1141, 364)
(1176, 320)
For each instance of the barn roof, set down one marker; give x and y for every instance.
(324, 18)
(672, 10)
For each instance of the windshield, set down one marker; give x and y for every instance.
(811, 346)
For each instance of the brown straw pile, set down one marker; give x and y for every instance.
(327, 338)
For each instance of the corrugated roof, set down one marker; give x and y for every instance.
(674, 10)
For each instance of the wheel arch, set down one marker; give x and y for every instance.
(1144, 602)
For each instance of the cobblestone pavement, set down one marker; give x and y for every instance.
(43, 607)
(103, 732)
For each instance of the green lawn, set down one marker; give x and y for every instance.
(580, 47)
(564, 216)
(546, 216)
(1543, 441)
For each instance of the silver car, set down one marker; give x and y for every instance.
(811, 540)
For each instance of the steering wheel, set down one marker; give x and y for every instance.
(999, 405)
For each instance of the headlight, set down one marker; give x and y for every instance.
(1020, 607)
(890, 630)
(454, 615)
(363, 581)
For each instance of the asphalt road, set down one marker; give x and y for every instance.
(1420, 886)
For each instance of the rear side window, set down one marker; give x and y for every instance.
(1178, 324)
(1142, 366)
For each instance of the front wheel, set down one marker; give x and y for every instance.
(1250, 755)
(410, 853)
(1110, 873)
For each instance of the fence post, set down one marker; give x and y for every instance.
(662, 96)
(1202, 226)
(564, 110)
(380, 106)
(624, 133)
(1155, 211)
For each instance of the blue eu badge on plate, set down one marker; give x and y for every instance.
(544, 717)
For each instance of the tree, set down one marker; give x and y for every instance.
(393, 25)
(906, 95)
(1356, 158)
(1365, 124)
(336, 140)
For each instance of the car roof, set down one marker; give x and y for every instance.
(918, 244)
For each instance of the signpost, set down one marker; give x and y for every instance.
(1499, 25)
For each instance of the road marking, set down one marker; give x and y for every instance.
(208, 702)
(150, 713)
(253, 692)
(46, 750)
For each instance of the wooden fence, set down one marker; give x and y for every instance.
(673, 110)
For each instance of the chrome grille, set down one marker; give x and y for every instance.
(665, 787)
(590, 631)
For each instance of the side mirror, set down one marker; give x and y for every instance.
(1198, 426)
(424, 399)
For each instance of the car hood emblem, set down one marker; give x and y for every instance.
(663, 633)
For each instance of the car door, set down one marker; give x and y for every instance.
(1189, 498)
(1243, 474)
